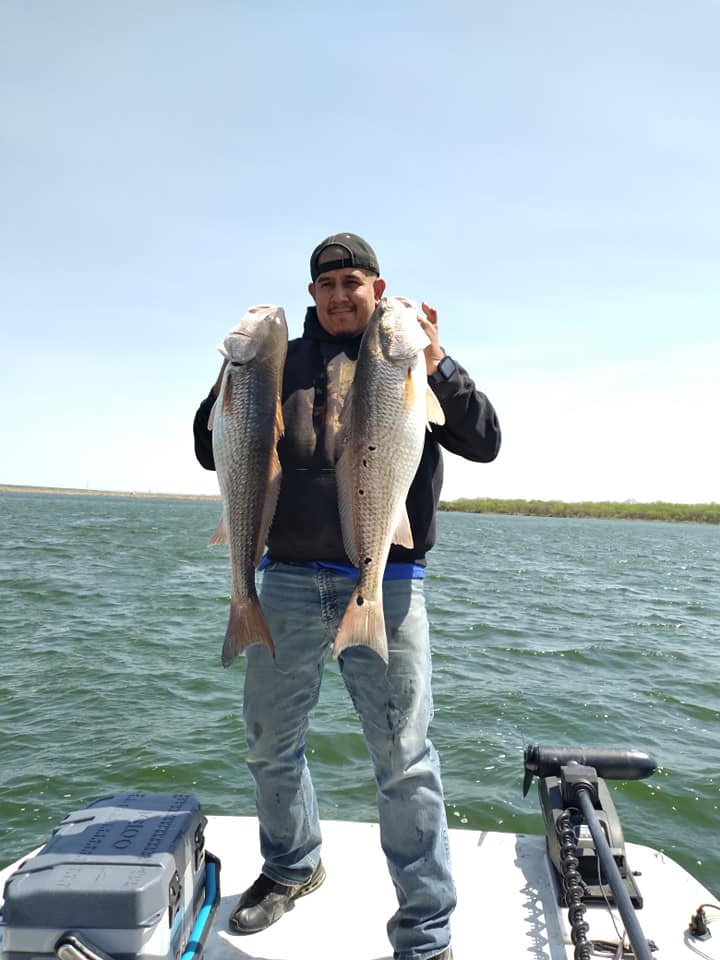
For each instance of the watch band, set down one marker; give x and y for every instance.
(445, 369)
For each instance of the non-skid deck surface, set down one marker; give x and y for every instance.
(506, 907)
(506, 904)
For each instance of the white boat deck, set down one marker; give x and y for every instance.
(506, 907)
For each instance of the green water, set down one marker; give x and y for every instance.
(112, 613)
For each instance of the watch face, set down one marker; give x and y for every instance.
(446, 367)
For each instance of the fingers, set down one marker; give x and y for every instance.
(430, 313)
(429, 323)
(433, 351)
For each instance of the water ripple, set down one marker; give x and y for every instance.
(568, 631)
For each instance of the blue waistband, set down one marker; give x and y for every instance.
(393, 571)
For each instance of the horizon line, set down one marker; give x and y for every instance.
(158, 495)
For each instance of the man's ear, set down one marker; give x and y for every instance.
(378, 288)
(311, 290)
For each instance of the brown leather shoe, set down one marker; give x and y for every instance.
(266, 901)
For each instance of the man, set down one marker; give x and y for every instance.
(306, 585)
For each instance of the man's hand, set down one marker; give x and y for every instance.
(433, 352)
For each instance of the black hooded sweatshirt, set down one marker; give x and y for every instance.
(318, 373)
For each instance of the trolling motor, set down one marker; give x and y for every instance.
(584, 836)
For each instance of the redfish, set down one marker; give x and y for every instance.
(383, 428)
(246, 424)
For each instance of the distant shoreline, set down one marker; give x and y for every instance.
(590, 509)
(85, 492)
(599, 510)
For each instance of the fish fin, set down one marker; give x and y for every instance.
(221, 534)
(363, 624)
(434, 410)
(272, 491)
(402, 535)
(346, 501)
(247, 625)
(272, 488)
(410, 389)
(227, 395)
(211, 418)
(279, 427)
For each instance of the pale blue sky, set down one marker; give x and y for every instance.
(547, 175)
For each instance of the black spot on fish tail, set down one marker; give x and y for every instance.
(360, 601)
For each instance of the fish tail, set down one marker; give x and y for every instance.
(247, 625)
(363, 624)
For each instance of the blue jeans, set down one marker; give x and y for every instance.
(303, 608)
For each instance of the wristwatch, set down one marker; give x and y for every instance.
(445, 369)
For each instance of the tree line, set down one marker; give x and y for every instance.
(603, 510)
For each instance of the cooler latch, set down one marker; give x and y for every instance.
(174, 897)
(199, 846)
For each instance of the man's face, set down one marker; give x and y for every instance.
(345, 298)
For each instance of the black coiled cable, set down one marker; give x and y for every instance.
(573, 887)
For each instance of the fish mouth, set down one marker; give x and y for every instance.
(405, 302)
